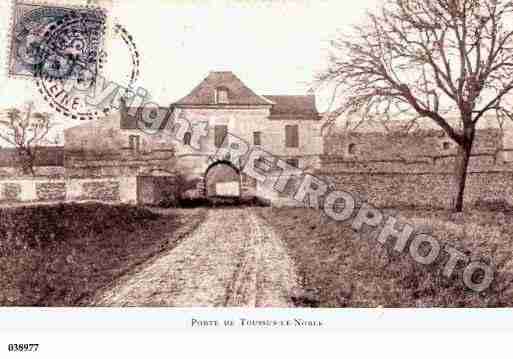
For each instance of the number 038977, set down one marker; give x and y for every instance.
(23, 347)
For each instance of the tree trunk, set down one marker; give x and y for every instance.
(27, 162)
(462, 161)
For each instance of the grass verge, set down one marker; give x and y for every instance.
(344, 268)
(60, 255)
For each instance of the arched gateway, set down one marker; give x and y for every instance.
(223, 179)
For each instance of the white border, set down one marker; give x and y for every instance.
(164, 319)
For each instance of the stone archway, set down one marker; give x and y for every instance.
(223, 179)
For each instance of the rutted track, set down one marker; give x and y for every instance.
(232, 259)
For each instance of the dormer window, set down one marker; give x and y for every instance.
(222, 95)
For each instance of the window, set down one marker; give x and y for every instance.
(221, 95)
(134, 143)
(187, 138)
(220, 132)
(257, 138)
(294, 162)
(446, 146)
(351, 149)
(291, 136)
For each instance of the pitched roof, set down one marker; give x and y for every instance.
(281, 107)
(294, 107)
(238, 92)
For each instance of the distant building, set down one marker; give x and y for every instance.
(286, 126)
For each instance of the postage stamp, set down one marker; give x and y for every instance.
(48, 39)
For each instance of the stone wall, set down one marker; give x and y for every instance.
(105, 190)
(397, 170)
(129, 166)
(102, 191)
(51, 191)
(400, 190)
(46, 172)
(11, 192)
(426, 183)
(421, 145)
(440, 164)
(432, 190)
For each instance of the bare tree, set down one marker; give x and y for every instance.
(428, 60)
(25, 130)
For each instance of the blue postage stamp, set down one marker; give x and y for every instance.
(48, 40)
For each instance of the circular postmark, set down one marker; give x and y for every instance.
(66, 55)
(67, 94)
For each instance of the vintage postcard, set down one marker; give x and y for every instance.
(256, 154)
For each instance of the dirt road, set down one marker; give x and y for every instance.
(233, 259)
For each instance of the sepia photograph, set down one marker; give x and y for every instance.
(292, 155)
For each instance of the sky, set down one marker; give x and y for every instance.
(275, 47)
